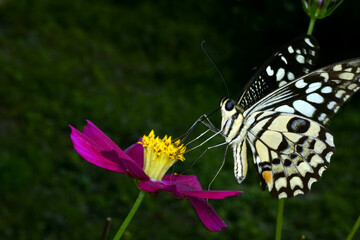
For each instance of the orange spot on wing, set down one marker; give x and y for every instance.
(267, 175)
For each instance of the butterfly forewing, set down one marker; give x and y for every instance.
(317, 95)
(288, 63)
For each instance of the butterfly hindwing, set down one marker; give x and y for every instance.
(290, 152)
(288, 63)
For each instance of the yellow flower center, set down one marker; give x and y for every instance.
(160, 154)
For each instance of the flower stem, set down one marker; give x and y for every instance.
(279, 219)
(354, 229)
(106, 229)
(311, 26)
(129, 216)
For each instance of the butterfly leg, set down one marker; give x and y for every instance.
(203, 153)
(201, 119)
(222, 163)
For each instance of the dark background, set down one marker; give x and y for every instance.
(132, 66)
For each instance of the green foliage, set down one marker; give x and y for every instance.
(133, 66)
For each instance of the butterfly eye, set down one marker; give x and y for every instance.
(229, 105)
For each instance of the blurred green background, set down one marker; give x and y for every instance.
(132, 66)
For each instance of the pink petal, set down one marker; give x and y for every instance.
(130, 167)
(103, 142)
(211, 194)
(154, 187)
(97, 148)
(207, 214)
(189, 181)
(184, 185)
(189, 185)
(136, 153)
(90, 151)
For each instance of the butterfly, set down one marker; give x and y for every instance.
(281, 116)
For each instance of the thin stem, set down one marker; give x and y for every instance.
(106, 228)
(311, 25)
(279, 219)
(354, 229)
(129, 216)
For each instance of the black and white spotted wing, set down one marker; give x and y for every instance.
(290, 152)
(317, 95)
(285, 130)
(290, 62)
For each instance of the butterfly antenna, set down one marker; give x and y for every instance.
(216, 68)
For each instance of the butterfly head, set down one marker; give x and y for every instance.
(227, 108)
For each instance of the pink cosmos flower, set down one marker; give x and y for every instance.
(148, 160)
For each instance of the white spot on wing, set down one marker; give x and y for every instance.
(321, 170)
(326, 89)
(331, 105)
(316, 160)
(284, 109)
(328, 156)
(346, 76)
(330, 139)
(283, 195)
(297, 192)
(322, 117)
(300, 83)
(282, 83)
(269, 71)
(290, 49)
(313, 87)
(352, 86)
(325, 75)
(308, 42)
(284, 59)
(319, 147)
(311, 181)
(300, 58)
(304, 168)
(315, 98)
(337, 67)
(280, 74)
(280, 183)
(296, 181)
(290, 76)
(340, 93)
(304, 107)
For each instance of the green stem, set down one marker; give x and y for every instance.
(354, 229)
(311, 26)
(279, 219)
(129, 216)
